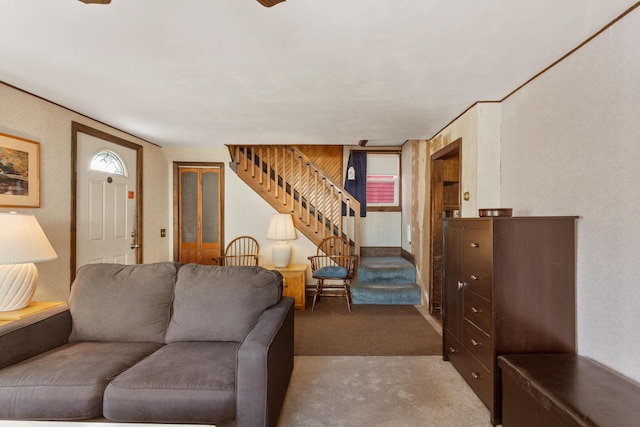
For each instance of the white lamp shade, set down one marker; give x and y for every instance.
(281, 227)
(22, 240)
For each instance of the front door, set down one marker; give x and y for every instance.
(107, 197)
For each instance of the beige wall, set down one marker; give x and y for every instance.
(571, 146)
(479, 129)
(32, 118)
(416, 190)
(566, 144)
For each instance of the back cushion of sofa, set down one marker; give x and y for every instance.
(220, 303)
(115, 302)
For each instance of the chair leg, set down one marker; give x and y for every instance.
(317, 293)
(347, 294)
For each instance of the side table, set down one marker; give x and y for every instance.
(294, 282)
(33, 308)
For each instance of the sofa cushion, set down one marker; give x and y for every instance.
(220, 303)
(115, 302)
(67, 382)
(186, 382)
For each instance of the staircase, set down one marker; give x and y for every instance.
(385, 280)
(292, 183)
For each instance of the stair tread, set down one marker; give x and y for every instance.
(384, 285)
(384, 263)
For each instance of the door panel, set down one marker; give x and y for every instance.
(106, 215)
(200, 212)
(210, 217)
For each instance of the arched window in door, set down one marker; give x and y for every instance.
(108, 161)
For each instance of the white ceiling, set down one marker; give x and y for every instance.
(213, 72)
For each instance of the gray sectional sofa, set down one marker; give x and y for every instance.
(165, 343)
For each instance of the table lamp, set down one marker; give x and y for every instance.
(281, 228)
(22, 242)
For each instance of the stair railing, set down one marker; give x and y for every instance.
(292, 183)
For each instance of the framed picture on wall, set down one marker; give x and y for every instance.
(19, 172)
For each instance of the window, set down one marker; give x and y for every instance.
(108, 161)
(383, 181)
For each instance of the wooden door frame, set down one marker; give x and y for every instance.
(437, 223)
(176, 202)
(75, 129)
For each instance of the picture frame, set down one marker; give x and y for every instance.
(19, 172)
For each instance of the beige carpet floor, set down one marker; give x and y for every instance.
(398, 391)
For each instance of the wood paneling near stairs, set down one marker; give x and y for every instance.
(327, 157)
(292, 183)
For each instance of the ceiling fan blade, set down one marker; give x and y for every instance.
(269, 3)
(96, 1)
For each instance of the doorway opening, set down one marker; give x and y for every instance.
(445, 202)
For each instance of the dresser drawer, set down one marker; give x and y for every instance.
(451, 347)
(477, 261)
(477, 310)
(476, 375)
(478, 343)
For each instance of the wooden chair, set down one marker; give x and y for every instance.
(242, 250)
(333, 262)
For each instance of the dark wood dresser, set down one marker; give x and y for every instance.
(509, 287)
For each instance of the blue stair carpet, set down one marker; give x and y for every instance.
(385, 280)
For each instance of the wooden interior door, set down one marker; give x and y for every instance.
(445, 201)
(199, 198)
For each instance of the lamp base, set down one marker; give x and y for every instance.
(17, 285)
(281, 254)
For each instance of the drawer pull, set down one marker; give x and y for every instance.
(475, 375)
(475, 310)
(474, 277)
(474, 343)
(452, 350)
(475, 245)
(460, 285)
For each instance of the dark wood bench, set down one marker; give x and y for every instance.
(565, 390)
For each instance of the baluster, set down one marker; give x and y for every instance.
(335, 198)
(276, 169)
(293, 182)
(324, 206)
(246, 157)
(347, 202)
(253, 161)
(347, 220)
(269, 168)
(298, 186)
(284, 176)
(261, 165)
(315, 193)
(302, 191)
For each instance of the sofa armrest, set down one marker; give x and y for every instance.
(35, 334)
(265, 363)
